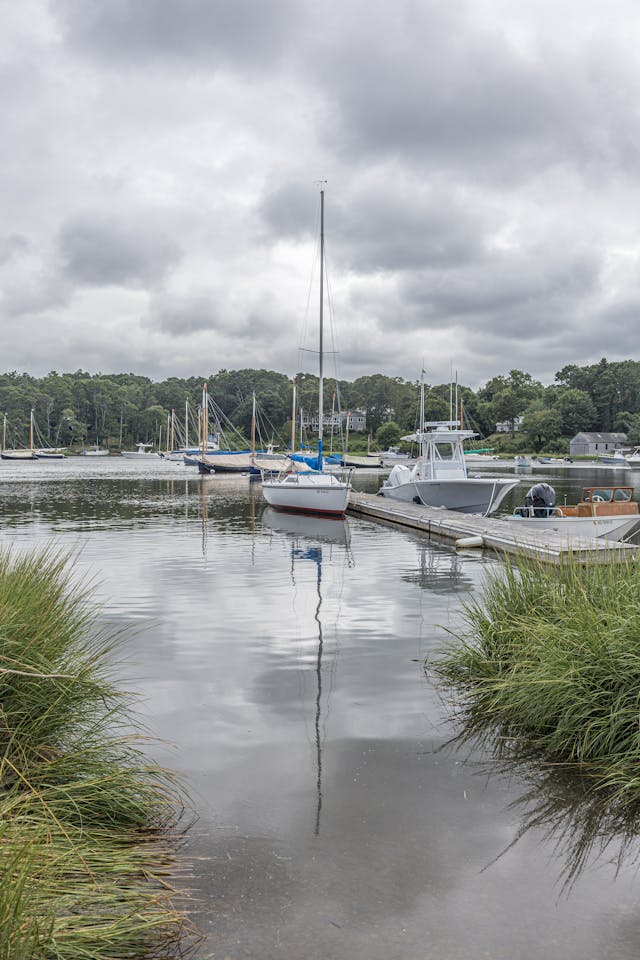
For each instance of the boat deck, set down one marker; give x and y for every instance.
(498, 535)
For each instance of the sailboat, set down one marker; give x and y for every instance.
(25, 453)
(312, 491)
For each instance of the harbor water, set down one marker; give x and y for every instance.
(280, 663)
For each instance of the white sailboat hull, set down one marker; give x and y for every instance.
(317, 493)
(18, 455)
(608, 528)
(466, 495)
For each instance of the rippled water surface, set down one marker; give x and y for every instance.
(282, 660)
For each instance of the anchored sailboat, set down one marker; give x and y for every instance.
(313, 491)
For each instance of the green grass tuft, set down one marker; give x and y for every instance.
(550, 663)
(88, 825)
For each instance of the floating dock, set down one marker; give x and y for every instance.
(489, 532)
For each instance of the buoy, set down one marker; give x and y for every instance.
(477, 541)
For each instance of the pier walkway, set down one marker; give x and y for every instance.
(496, 534)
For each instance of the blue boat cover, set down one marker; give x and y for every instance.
(314, 462)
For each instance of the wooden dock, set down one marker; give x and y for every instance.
(498, 535)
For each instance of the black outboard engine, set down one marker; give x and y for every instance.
(540, 501)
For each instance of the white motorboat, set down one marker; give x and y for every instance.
(439, 477)
(616, 459)
(390, 457)
(603, 512)
(633, 459)
(315, 491)
(142, 450)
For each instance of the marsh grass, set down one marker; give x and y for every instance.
(89, 826)
(550, 664)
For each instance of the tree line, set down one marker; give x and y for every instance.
(119, 410)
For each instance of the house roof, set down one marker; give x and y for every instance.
(601, 437)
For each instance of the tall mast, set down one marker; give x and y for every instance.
(205, 420)
(4, 432)
(253, 428)
(333, 409)
(456, 406)
(31, 430)
(293, 418)
(321, 377)
(186, 424)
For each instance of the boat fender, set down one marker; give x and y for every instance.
(417, 500)
(477, 541)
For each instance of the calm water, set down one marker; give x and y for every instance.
(282, 658)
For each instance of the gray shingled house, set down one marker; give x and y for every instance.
(591, 444)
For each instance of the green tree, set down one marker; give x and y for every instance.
(576, 411)
(504, 399)
(388, 435)
(541, 424)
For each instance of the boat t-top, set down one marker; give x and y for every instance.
(440, 478)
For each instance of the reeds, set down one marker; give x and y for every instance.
(88, 825)
(551, 664)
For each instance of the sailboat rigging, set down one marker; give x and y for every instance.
(314, 490)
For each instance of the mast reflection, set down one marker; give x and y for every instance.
(308, 536)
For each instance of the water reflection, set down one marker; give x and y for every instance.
(307, 535)
(558, 806)
(440, 570)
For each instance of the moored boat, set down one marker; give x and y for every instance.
(316, 490)
(607, 512)
(616, 459)
(633, 459)
(142, 450)
(22, 454)
(439, 477)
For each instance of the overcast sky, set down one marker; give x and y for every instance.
(159, 199)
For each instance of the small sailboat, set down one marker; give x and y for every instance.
(315, 490)
(24, 453)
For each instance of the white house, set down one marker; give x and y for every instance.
(507, 426)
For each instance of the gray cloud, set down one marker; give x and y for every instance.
(158, 184)
(520, 288)
(435, 88)
(98, 252)
(11, 245)
(183, 315)
(214, 32)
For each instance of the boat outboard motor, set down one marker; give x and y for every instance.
(539, 501)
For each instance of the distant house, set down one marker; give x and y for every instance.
(507, 426)
(591, 444)
(356, 420)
